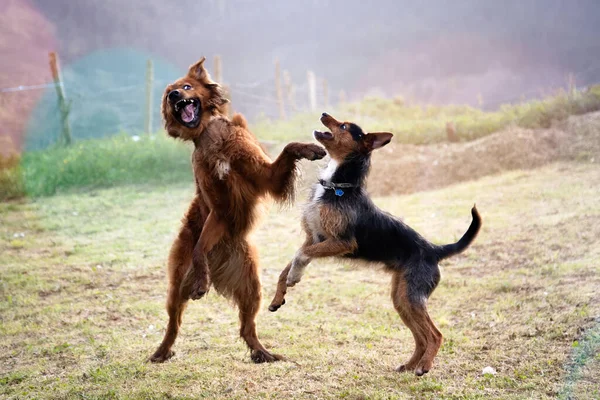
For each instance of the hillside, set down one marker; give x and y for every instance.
(402, 168)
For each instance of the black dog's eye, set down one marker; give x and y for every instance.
(186, 87)
(343, 127)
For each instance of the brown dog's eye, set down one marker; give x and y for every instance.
(343, 127)
(186, 87)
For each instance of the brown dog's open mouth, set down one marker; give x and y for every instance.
(186, 111)
(322, 135)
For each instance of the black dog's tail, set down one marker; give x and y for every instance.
(448, 250)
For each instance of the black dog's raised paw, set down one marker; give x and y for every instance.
(275, 307)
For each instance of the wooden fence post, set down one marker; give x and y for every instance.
(325, 94)
(451, 132)
(218, 71)
(278, 90)
(149, 87)
(342, 97)
(312, 90)
(63, 105)
(289, 91)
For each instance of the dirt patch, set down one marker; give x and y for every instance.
(400, 168)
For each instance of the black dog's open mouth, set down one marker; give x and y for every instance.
(322, 135)
(186, 111)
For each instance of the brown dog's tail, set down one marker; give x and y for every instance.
(449, 250)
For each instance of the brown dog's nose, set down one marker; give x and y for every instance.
(174, 95)
(324, 115)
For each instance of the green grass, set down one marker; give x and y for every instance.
(418, 124)
(82, 290)
(106, 162)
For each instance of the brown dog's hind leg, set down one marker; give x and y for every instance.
(248, 296)
(180, 259)
(175, 307)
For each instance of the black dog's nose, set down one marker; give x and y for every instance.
(324, 115)
(174, 95)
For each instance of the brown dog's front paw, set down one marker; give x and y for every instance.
(195, 285)
(308, 151)
(313, 152)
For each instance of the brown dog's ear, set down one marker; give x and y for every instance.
(375, 140)
(197, 71)
(217, 97)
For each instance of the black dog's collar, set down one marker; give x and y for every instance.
(337, 187)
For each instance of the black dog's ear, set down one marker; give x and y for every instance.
(198, 72)
(375, 140)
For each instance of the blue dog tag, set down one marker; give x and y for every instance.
(339, 192)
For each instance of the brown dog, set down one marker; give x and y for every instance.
(232, 175)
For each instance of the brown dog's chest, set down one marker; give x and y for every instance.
(214, 178)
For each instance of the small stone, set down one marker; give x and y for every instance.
(488, 371)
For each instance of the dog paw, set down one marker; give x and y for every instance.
(161, 356)
(275, 306)
(405, 368)
(291, 281)
(194, 287)
(313, 152)
(263, 356)
(307, 151)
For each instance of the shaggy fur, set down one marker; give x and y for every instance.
(232, 175)
(342, 221)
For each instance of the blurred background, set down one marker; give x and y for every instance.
(429, 71)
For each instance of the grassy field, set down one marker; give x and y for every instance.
(82, 287)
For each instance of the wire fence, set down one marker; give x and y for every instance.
(104, 99)
(114, 94)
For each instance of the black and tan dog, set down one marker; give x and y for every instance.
(342, 221)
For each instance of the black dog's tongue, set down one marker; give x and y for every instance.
(187, 113)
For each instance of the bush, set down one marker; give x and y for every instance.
(106, 162)
(11, 178)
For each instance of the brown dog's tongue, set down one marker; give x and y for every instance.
(187, 113)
